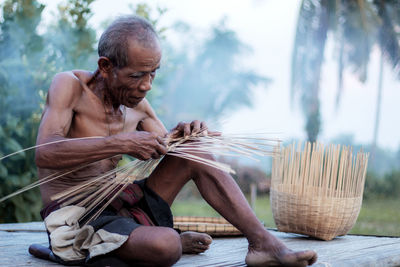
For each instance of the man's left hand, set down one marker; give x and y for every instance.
(185, 129)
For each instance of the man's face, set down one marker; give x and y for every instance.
(129, 85)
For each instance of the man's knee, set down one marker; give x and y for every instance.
(167, 247)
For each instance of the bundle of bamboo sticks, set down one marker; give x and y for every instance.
(96, 194)
(317, 190)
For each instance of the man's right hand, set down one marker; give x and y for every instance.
(144, 145)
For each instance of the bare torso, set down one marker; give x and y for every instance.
(90, 118)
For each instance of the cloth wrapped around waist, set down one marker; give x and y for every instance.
(136, 205)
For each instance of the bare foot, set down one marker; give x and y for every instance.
(194, 243)
(276, 253)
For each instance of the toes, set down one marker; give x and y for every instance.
(201, 247)
(313, 259)
(193, 242)
(197, 251)
(205, 239)
(309, 256)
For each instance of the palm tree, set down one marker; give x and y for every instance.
(356, 26)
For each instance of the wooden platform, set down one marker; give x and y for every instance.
(350, 250)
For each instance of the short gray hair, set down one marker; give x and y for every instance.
(113, 43)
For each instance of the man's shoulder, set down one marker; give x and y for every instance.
(142, 111)
(67, 86)
(73, 77)
(70, 81)
(143, 107)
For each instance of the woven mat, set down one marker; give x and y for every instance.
(213, 226)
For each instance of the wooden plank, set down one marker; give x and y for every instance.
(14, 248)
(28, 227)
(350, 250)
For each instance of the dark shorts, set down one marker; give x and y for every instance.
(110, 220)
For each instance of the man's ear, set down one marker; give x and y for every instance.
(105, 67)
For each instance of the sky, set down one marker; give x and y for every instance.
(268, 27)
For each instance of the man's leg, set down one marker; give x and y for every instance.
(151, 246)
(220, 190)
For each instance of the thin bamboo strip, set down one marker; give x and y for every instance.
(130, 175)
(67, 193)
(50, 143)
(44, 180)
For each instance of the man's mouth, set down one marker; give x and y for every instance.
(135, 100)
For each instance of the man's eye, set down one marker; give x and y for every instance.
(136, 76)
(153, 73)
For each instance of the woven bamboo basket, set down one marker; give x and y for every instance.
(213, 226)
(317, 190)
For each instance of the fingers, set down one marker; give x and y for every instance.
(186, 129)
(146, 145)
(197, 126)
(214, 133)
(160, 148)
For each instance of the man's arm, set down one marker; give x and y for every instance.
(63, 96)
(151, 123)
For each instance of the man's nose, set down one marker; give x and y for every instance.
(145, 85)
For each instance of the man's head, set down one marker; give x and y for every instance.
(129, 54)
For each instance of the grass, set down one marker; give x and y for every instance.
(377, 217)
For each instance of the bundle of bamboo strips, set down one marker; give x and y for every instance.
(317, 191)
(213, 226)
(96, 194)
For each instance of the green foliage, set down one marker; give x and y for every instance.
(378, 216)
(20, 49)
(144, 10)
(28, 61)
(377, 187)
(71, 41)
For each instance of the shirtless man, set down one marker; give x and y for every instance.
(111, 102)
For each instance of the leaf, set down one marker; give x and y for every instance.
(12, 122)
(12, 146)
(14, 180)
(2, 134)
(3, 171)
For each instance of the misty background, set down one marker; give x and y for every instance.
(298, 70)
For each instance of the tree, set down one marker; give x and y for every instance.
(206, 82)
(356, 26)
(71, 40)
(28, 61)
(20, 49)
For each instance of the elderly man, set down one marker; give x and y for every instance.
(110, 102)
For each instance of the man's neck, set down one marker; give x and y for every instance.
(100, 88)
